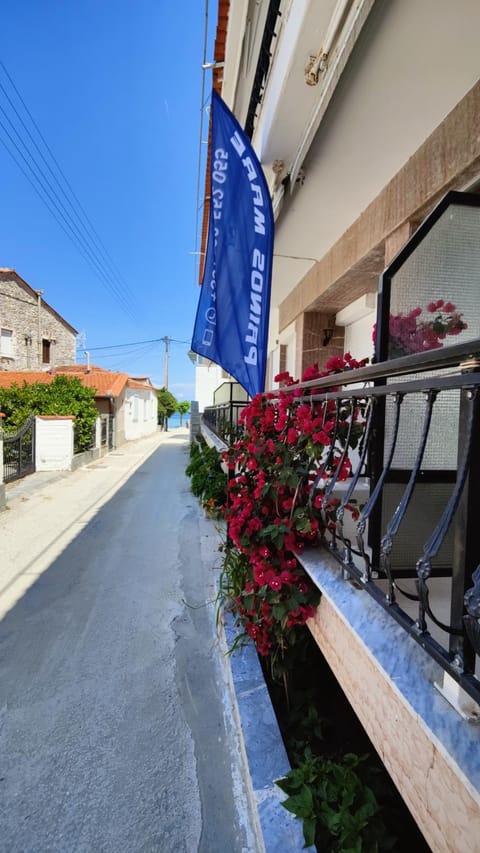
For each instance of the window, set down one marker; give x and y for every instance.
(45, 351)
(6, 343)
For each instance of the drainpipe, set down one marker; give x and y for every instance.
(39, 326)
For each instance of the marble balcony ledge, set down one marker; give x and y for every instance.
(431, 752)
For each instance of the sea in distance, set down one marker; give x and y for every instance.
(174, 420)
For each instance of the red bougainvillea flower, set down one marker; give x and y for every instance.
(411, 332)
(271, 515)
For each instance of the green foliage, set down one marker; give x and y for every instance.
(339, 810)
(235, 576)
(183, 408)
(167, 404)
(208, 480)
(303, 727)
(64, 396)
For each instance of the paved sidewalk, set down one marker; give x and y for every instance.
(89, 559)
(118, 729)
(46, 510)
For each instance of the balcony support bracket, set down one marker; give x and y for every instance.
(468, 709)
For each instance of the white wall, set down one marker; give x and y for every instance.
(358, 338)
(53, 443)
(397, 88)
(286, 338)
(207, 379)
(358, 318)
(140, 413)
(413, 62)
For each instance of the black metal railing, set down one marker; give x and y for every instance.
(19, 451)
(415, 546)
(224, 419)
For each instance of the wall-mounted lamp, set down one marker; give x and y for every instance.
(328, 332)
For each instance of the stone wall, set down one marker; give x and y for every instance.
(31, 322)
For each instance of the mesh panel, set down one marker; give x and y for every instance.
(445, 266)
(424, 511)
(441, 449)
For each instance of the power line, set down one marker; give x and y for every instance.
(72, 223)
(146, 348)
(72, 232)
(135, 343)
(87, 243)
(95, 235)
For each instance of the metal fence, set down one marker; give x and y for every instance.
(77, 447)
(107, 431)
(19, 452)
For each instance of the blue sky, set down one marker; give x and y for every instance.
(115, 88)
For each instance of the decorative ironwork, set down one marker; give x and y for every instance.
(370, 505)
(432, 546)
(399, 514)
(19, 452)
(472, 606)
(382, 533)
(364, 444)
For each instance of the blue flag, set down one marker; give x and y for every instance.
(231, 326)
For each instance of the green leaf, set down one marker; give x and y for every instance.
(309, 830)
(301, 804)
(279, 611)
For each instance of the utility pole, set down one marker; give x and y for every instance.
(165, 363)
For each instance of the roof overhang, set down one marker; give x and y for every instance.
(313, 45)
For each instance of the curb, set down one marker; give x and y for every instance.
(266, 755)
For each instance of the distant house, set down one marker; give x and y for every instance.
(33, 336)
(129, 404)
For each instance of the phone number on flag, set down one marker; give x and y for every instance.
(219, 176)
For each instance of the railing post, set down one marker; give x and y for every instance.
(375, 463)
(465, 547)
(2, 484)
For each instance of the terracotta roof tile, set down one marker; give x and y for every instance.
(106, 382)
(14, 377)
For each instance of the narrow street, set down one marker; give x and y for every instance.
(115, 724)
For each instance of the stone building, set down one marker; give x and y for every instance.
(33, 336)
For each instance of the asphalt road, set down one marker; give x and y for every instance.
(115, 719)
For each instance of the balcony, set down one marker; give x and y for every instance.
(407, 570)
(399, 615)
(223, 418)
